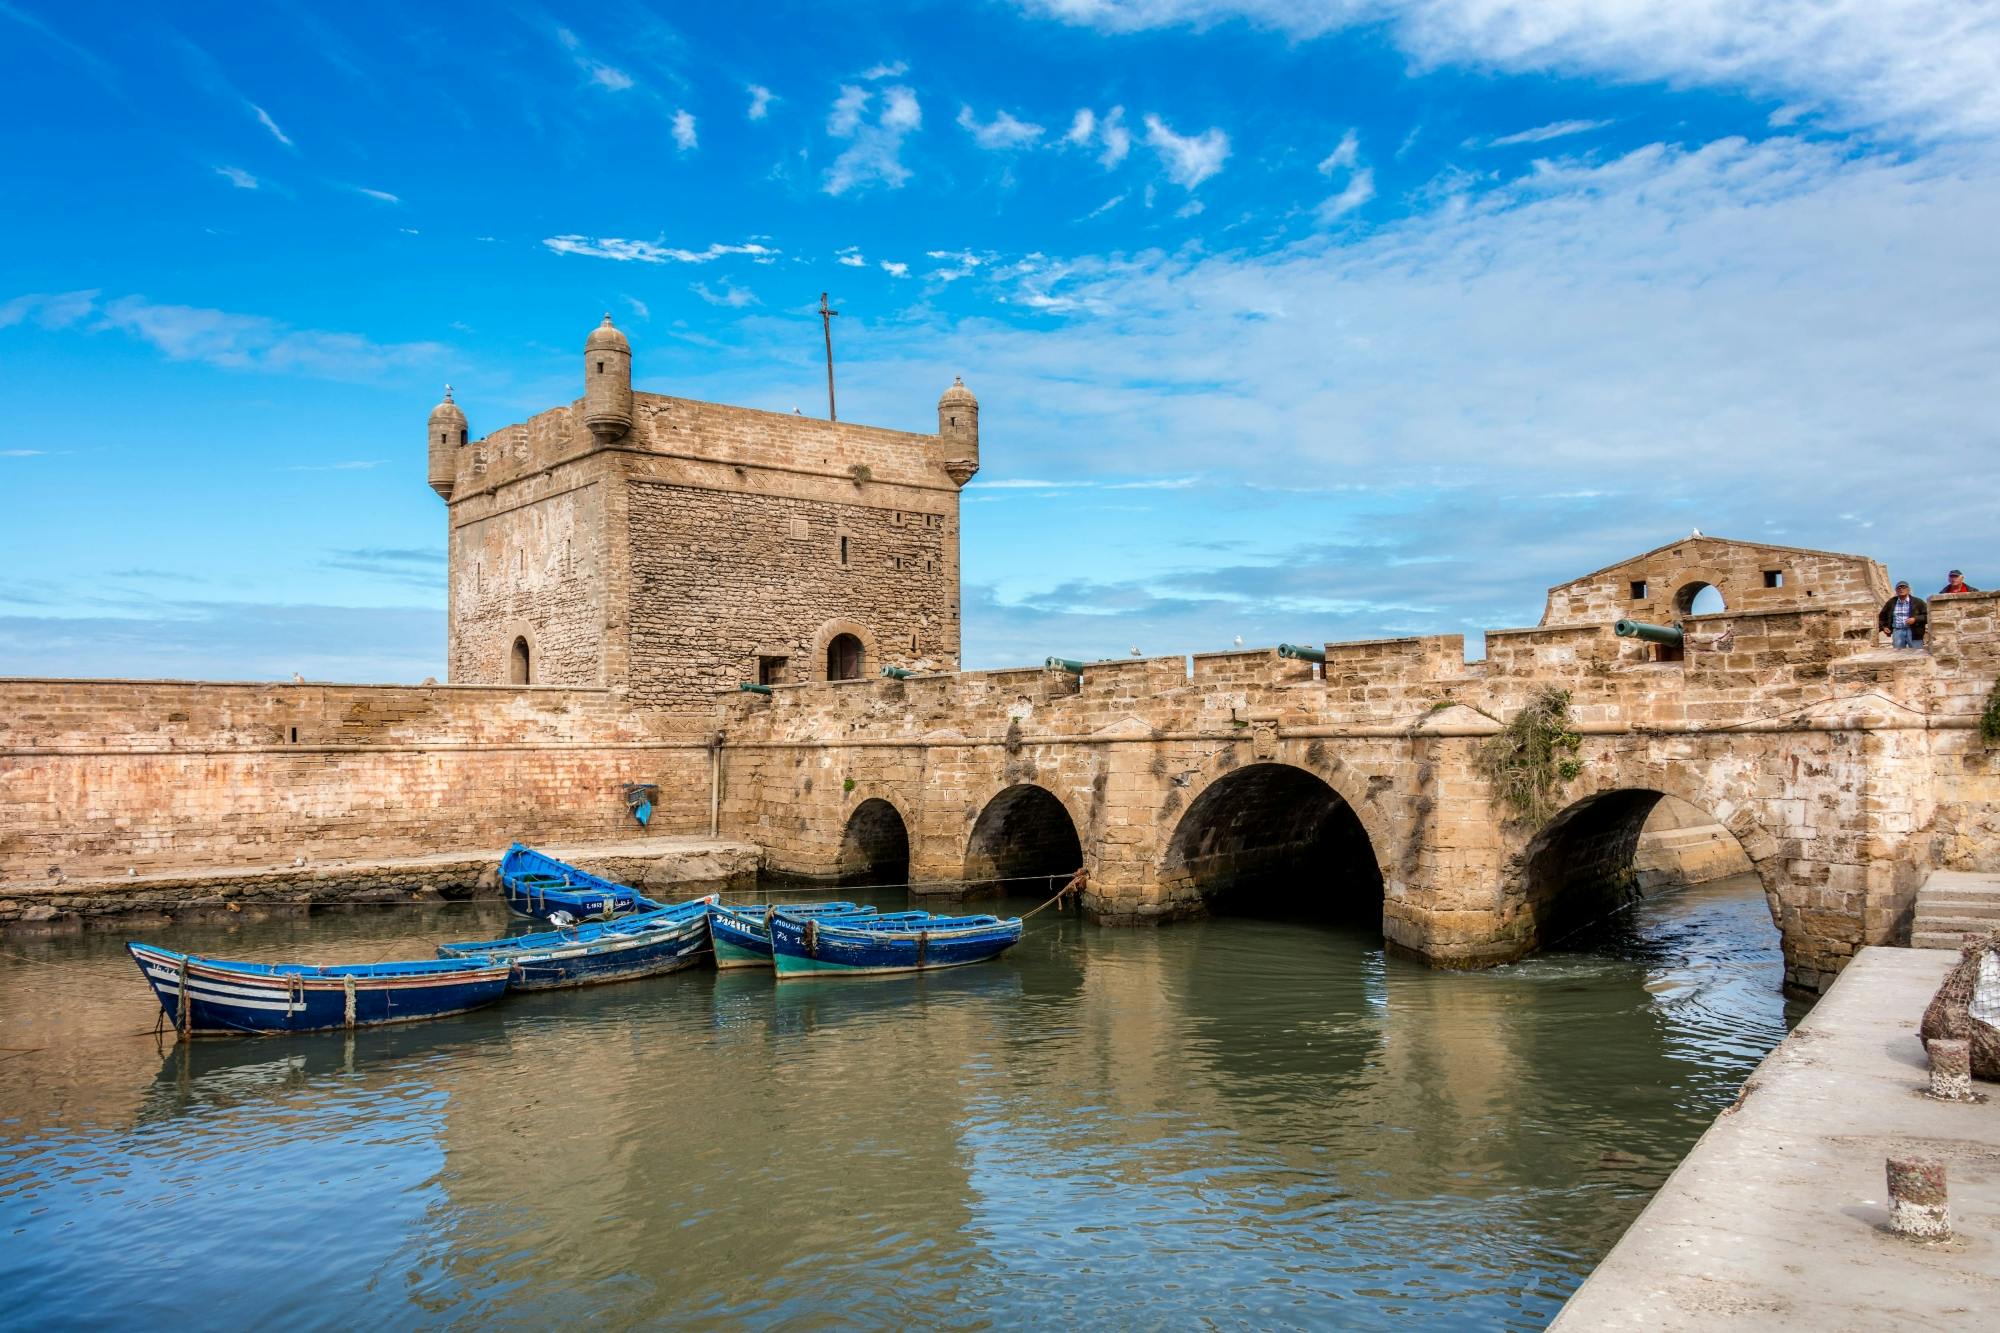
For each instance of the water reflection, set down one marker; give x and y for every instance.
(1246, 1121)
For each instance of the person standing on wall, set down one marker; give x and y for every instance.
(1955, 583)
(1903, 618)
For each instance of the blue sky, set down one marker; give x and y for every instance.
(1305, 320)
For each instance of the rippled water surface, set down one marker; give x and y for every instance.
(1237, 1122)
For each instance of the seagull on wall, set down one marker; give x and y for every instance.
(1239, 641)
(1136, 652)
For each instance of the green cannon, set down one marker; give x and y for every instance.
(748, 688)
(897, 673)
(1669, 635)
(1065, 664)
(1302, 652)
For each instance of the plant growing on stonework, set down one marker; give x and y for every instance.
(1531, 756)
(1989, 721)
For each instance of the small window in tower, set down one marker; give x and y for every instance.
(1638, 590)
(1774, 578)
(600, 367)
(462, 438)
(771, 670)
(954, 421)
(913, 641)
(295, 735)
(520, 664)
(843, 550)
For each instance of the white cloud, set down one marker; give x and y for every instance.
(725, 293)
(23, 453)
(895, 268)
(1082, 127)
(894, 70)
(380, 196)
(604, 76)
(1560, 129)
(238, 177)
(684, 139)
(1105, 207)
(1004, 131)
(264, 119)
(650, 252)
(221, 337)
(1117, 139)
(873, 155)
(639, 308)
(1189, 159)
(1905, 63)
(1345, 154)
(1360, 188)
(851, 256)
(760, 101)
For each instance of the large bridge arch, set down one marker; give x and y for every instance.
(1273, 838)
(1022, 833)
(874, 845)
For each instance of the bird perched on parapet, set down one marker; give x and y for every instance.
(131, 871)
(1239, 641)
(298, 861)
(1136, 652)
(297, 679)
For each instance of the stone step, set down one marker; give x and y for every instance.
(1924, 939)
(1959, 904)
(1953, 925)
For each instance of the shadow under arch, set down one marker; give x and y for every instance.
(1585, 863)
(1271, 839)
(1025, 832)
(875, 845)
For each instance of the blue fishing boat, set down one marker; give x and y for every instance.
(743, 933)
(537, 884)
(645, 944)
(857, 946)
(214, 996)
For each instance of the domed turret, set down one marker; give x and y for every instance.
(448, 433)
(958, 431)
(607, 382)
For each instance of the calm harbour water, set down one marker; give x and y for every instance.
(1236, 1122)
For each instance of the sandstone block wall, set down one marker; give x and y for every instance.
(98, 777)
(1751, 576)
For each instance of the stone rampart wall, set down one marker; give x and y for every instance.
(99, 777)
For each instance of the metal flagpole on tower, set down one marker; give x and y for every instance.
(826, 326)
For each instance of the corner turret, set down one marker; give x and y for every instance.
(607, 383)
(448, 433)
(958, 431)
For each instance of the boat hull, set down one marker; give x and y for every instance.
(650, 944)
(536, 884)
(743, 937)
(225, 998)
(805, 948)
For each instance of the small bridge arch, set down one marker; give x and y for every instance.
(1023, 833)
(1273, 838)
(874, 845)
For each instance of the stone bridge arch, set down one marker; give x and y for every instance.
(1273, 838)
(874, 844)
(1024, 835)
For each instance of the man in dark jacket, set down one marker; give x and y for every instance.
(1903, 617)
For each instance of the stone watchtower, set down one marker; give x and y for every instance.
(673, 547)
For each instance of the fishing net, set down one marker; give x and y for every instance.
(1967, 1006)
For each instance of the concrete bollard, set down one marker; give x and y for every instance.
(1951, 1069)
(1917, 1206)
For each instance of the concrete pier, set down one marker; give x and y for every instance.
(1779, 1217)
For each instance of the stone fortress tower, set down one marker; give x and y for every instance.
(672, 547)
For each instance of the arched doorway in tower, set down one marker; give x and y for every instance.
(520, 664)
(843, 658)
(1274, 840)
(1022, 841)
(875, 846)
(1699, 599)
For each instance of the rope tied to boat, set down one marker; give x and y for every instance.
(812, 937)
(1077, 884)
(923, 945)
(183, 1019)
(347, 985)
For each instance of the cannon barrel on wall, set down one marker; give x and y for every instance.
(1065, 664)
(1302, 652)
(1670, 635)
(897, 673)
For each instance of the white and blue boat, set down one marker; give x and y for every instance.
(743, 933)
(644, 944)
(215, 996)
(806, 946)
(536, 885)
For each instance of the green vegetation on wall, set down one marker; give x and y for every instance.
(1530, 758)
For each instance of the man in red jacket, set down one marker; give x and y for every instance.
(1955, 583)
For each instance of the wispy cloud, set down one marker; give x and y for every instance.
(1360, 188)
(725, 293)
(895, 268)
(608, 77)
(639, 307)
(873, 155)
(760, 101)
(887, 70)
(1002, 133)
(1560, 129)
(23, 453)
(852, 257)
(651, 252)
(238, 177)
(1189, 159)
(1106, 206)
(683, 127)
(264, 119)
(1345, 154)
(379, 196)
(1087, 127)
